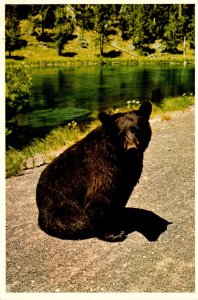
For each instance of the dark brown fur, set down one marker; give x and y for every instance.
(81, 192)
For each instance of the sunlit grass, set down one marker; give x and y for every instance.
(38, 54)
(178, 103)
(58, 62)
(56, 139)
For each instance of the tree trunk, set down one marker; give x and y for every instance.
(180, 11)
(101, 44)
(60, 47)
(42, 25)
(184, 47)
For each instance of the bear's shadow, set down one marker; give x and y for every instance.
(149, 224)
(143, 221)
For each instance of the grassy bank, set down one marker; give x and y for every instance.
(16, 161)
(140, 60)
(39, 54)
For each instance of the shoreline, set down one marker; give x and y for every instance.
(141, 60)
(41, 159)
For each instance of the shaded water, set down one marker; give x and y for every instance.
(59, 95)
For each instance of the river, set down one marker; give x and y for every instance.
(59, 95)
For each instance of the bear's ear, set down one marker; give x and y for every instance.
(104, 118)
(145, 109)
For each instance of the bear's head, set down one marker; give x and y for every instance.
(131, 129)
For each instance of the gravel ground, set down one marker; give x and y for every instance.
(36, 262)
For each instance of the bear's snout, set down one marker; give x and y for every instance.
(131, 142)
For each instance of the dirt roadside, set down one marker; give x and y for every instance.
(37, 262)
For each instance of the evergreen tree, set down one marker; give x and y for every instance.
(42, 17)
(64, 26)
(126, 17)
(159, 17)
(174, 29)
(142, 26)
(189, 23)
(12, 29)
(136, 23)
(106, 22)
(84, 16)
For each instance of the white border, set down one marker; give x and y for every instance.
(98, 2)
(99, 296)
(84, 296)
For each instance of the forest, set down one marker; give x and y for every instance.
(148, 27)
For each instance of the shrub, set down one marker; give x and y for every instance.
(18, 83)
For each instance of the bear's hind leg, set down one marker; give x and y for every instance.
(105, 221)
(65, 223)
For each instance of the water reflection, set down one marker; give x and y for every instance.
(59, 95)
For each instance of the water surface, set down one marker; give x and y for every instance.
(59, 95)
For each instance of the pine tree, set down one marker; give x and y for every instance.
(12, 29)
(84, 17)
(174, 29)
(189, 24)
(106, 22)
(64, 26)
(136, 23)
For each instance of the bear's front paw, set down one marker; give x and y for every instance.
(113, 237)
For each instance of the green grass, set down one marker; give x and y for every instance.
(38, 54)
(69, 134)
(179, 103)
(42, 63)
(58, 137)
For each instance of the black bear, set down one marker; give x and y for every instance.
(82, 192)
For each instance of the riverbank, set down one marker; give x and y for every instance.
(141, 60)
(42, 151)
